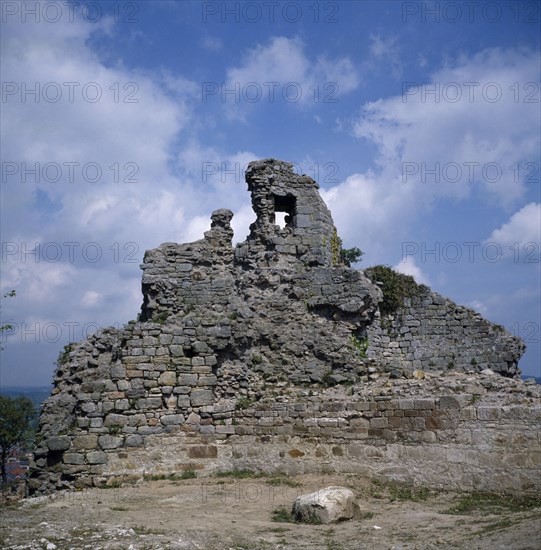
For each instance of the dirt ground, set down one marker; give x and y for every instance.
(230, 513)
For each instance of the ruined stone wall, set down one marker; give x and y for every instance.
(133, 418)
(430, 332)
(228, 364)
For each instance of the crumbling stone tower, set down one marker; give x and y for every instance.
(220, 329)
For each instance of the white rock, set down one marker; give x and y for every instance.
(325, 506)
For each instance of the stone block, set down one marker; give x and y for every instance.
(199, 398)
(134, 440)
(74, 458)
(225, 429)
(488, 413)
(176, 350)
(59, 443)
(149, 403)
(109, 442)
(122, 405)
(202, 451)
(118, 372)
(405, 404)
(423, 404)
(207, 381)
(96, 457)
(113, 419)
(86, 441)
(379, 422)
(183, 401)
(168, 378)
(187, 380)
(172, 419)
(449, 402)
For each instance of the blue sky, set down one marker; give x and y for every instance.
(125, 124)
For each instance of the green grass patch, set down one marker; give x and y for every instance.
(398, 492)
(275, 481)
(240, 474)
(492, 503)
(281, 514)
(243, 403)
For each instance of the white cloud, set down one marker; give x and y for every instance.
(415, 134)
(479, 307)
(385, 50)
(212, 43)
(165, 201)
(91, 298)
(301, 80)
(407, 266)
(471, 141)
(523, 227)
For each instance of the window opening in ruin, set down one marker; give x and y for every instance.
(280, 219)
(284, 208)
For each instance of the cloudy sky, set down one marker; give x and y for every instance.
(125, 124)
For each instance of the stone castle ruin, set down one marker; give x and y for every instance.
(276, 356)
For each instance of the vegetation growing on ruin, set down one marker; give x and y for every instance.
(63, 356)
(340, 255)
(395, 287)
(360, 345)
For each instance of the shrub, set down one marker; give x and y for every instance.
(395, 287)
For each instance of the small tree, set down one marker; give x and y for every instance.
(16, 415)
(351, 255)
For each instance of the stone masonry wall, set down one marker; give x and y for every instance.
(255, 357)
(452, 431)
(430, 332)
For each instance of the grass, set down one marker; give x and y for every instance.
(239, 474)
(492, 503)
(399, 492)
(282, 515)
(243, 403)
(186, 474)
(115, 484)
(275, 481)
(277, 530)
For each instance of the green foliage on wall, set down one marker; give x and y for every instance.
(395, 287)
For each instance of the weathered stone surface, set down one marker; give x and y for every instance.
(109, 442)
(60, 443)
(202, 397)
(85, 441)
(202, 451)
(329, 505)
(74, 458)
(134, 440)
(237, 353)
(96, 457)
(432, 333)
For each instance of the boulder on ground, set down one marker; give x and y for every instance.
(328, 505)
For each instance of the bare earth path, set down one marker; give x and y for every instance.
(229, 513)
